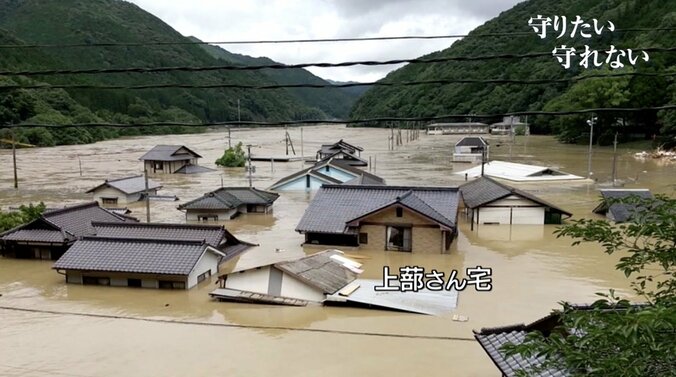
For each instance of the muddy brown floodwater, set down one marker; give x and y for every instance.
(532, 269)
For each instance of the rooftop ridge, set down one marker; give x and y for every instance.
(124, 178)
(156, 225)
(410, 188)
(70, 208)
(414, 196)
(144, 240)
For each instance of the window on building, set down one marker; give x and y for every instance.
(94, 280)
(109, 201)
(398, 238)
(400, 212)
(363, 238)
(204, 276)
(136, 283)
(168, 284)
(158, 165)
(207, 218)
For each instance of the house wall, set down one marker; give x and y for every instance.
(169, 166)
(42, 251)
(208, 262)
(254, 280)
(117, 279)
(294, 288)
(300, 184)
(337, 174)
(122, 198)
(193, 215)
(513, 209)
(426, 235)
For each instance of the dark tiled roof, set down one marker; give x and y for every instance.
(71, 222)
(471, 141)
(213, 235)
(340, 144)
(169, 153)
(132, 255)
(192, 169)
(320, 271)
(231, 197)
(620, 212)
(129, 185)
(336, 205)
(364, 180)
(351, 159)
(484, 190)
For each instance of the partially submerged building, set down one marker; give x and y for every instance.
(342, 150)
(300, 282)
(394, 218)
(491, 202)
(513, 171)
(612, 205)
(149, 255)
(329, 171)
(50, 235)
(121, 191)
(171, 159)
(471, 149)
(143, 263)
(508, 126)
(228, 202)
(458, 128)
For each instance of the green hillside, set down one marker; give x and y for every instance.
(434, 100)
(335, 102)
(101, 21)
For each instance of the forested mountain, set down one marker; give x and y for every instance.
(113, 21)
(335, 102)
(434, 100)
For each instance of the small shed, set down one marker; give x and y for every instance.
(120, 191)
(227, 203)
(513, 171)
(50, 235)
(169, 159)
(471, 149)
(142, 263)
(299, 283)
(612, 206)
(328, 150)
(491, 202)
(330, 171)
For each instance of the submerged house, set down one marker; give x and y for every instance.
(120, 191)
(513, 171)
(304, 281)
(617, 211)
(50, 235)
(457, 128)
(171, 159)
(167, 256)
(395, 218)
(508, 125)
(491, 202)
(342, 150)
(228, 202)
(330, 171)
(471, 149)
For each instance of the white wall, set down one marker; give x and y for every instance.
(208, 262)
(254, 280)
(192, 215)
(522, 212)
(122, 198)
(292, 287)
(528, 215)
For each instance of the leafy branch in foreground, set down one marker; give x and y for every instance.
(613, 337)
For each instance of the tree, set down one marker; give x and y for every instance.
(25, 214)
(616, 338)
(233, 157)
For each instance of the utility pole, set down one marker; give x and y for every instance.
(483, 159)
(16, 176)
(80, 163)
(229, 138)
(248, 148)
(302, 155)
(239, 115)
(590, 122)
(147, 194)
(614, 158)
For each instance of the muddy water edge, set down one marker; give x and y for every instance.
(532, 269)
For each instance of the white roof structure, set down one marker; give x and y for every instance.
(519, 172)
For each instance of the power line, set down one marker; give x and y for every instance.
(444, 59)
(335, 86)
(338, 121)
(316, 40)
(232, 325)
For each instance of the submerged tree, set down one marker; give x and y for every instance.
(9, 220)
(233, 157)
(614, 337)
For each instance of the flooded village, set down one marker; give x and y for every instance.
(51, 322)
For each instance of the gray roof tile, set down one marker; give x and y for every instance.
(621, 212)
(471, 141)
(320, 271)
(335, 205)
(129, 185)
(315, 170)
(192, 169)
(213, 235)
(169, 153)
(231, 197)
(134, 256)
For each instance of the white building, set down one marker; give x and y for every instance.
(121, 191)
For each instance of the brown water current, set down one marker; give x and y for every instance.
(532, 269)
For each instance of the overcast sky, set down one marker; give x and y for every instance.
(219, 20)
